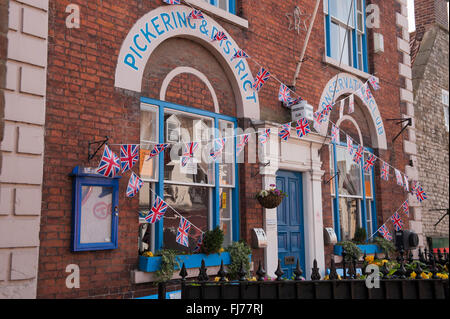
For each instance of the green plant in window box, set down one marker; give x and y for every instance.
(212, 241)
(351, 250)
(360, 236)
(271, 197)
(386, 246)
(239, 252)
(167, 267)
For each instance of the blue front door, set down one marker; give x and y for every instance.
(291, 244)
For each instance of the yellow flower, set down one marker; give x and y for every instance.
(384, 261)
(442, 276)
(252, 279)
(147, 254)
(424, 276)
(369, 259)
(221, 250)
(216, 278)
(413, 275)
(326, 277)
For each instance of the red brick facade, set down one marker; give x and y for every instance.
(83, 105)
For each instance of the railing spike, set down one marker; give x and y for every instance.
(183, 273)
(260, 273)
(315, 275)
(242, 272)
(333, 274)
(279, 272)
(203, 276)
(298, 271)
(222, 273)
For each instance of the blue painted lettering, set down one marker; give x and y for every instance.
(130, 61)
(182, 19)
(166, 21)
(156, 25)
(203, 27)
(147, 34)
(137, 45)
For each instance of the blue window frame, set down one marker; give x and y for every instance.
(227, 5)
(223, 209)
(95, 214)
(353, 194)
(349, 39)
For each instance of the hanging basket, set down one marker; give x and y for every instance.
(270, 201)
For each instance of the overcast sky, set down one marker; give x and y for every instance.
(412, 25)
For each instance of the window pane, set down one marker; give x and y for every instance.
(181, 128)
(368, 180)
(369, 217)
(225, 225)
(226, 160)
(348, 217)
(149, 136)
(337, 45)
(350, 174)
(225, 203)
(340, 10)
(96, 209)
(223, 4)
(193, 203)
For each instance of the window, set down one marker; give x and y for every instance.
(354, 201)
(346, 32)
(227, 5)
(203, 191)
(445, 102)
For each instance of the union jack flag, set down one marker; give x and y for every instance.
(158, 210)
(334, 134)
(374, 82)
(397, 221)
(284, 94)
(292, 101)
(385, 171)
(199, 243)
(158, 148)
(385, 232)
(420, 193)
(327, 109)
(110, 163)
(358, 154)
(196, 14)
(285, 131)
(172, 1)
(183, 231)
(370, 161)
(188, 152)
(240, 54)
(220, 142)
(134, 185)
(129, 155)
(414, 186)
(302, 127)
(367, 91)
(351, 104)
(242, 142)
(261, 78)
(219, 36)
(405, 183)
(264, 137)
(405, 207)
(398, 176)
(349, 145)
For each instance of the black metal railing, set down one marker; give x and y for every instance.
(396, 286)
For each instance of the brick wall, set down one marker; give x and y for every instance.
(430, 76)
(429, 12)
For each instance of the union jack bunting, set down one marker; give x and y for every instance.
(158, 210)
(302, 127)
(292, 101)
(342, 107)
(199, 243)
(335, 134)
(240, 54)
(384, 171)
(358, 154)
(405, 207)
(285, 131)
(374, 82)
(243, 140)
(261, 78)
(349, 145)
(397, 221)
(219, 36)
(370, 161)
(368, 92)
(188, 152)
(172, 1)
(134, 185)
(405, 183)
(220, 142)
(385, 232)
(351, 104)
(158, 148)
(414, 186)
(110, 163)
(284, 94)
(398, 176)
(263, 138)
(196, 14)
(129, 155)
(420, 193)
(183, 232)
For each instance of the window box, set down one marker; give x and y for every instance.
(368, 249)
(151, 264)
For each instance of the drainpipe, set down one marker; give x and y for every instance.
(308, 33)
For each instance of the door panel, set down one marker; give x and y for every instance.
(291, 245)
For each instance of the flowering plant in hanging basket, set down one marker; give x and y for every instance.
(270, 198)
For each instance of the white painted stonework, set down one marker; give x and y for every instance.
(171, 21)
(302, 156)
(23, 148)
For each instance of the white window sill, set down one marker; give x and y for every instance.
(215, 11)
(346, 68)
